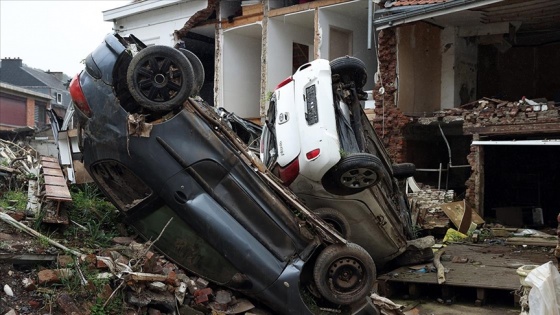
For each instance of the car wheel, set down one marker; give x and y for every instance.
(350, 69)
(198, 69)
(403, 170)
(334, 219)
(160, 78)
(353, 173)
(344, 273)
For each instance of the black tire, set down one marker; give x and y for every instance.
(353, 173)
(403, 170)
(335, 219)
(198, 69)
(344, 274)
(160, 78)
(350, 69)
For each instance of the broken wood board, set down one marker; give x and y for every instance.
(461, 214)
(33, 203)
(57, 193)
(52, 172)
(47, 164)
(55, 181)
(551, 241)
(26, 259)
(489, 266)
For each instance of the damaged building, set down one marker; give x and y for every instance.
(469, 92)
(466, 90)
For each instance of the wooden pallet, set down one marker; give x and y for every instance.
(487, 267)
(55, 187)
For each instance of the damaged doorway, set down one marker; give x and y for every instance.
(520, 179)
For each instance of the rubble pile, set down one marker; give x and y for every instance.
(145, 282)
(497, 112)
(18, 163)
(426, 204)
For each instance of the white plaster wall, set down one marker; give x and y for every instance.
(466, 60)
(156, 27)
(458, 69)
(448, 43)
(359, 27)
(241, 74)
(281, 37)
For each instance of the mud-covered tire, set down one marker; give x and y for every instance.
(160, 78)
(403, 170)
(198, 69)
(344, 273)
(350, 69)
(353, 173)
(335, 219)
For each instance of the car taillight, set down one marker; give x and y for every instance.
(78, 96)
(313, 154)
(286, 81)
(289, 173)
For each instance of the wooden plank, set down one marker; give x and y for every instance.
(52, 172)
(304, 7)
(49, 159)
(57, 193)
(55, 181)
(514, 129)
(47, 164)
(33, 202)
(489, 266)
(22, 259)
(240, 21)
(462, 219)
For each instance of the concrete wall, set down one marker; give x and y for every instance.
(359, 26)
(281, 37)
(241, 72)
(458, 69)
(156, 27)
(419, 68)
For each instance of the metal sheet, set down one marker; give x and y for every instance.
(519, 142)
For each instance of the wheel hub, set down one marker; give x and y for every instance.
(346, 274)
(358, 178)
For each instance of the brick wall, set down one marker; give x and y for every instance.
(30, 112)
(389, 120)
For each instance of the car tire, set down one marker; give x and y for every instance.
(344, 273)
(335, 219)
(164, 88)
(353, 173)
(198, 69)
(403, 170)
(350, 69)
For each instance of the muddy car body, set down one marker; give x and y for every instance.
(232, 224)
(319, 141)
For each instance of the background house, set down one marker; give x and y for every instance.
(248, 47)
(14, 74)
(21, 107)
(437, 58)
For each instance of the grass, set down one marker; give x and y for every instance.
(14, 199)
(91, 210)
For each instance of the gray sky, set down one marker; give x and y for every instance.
(53, 35)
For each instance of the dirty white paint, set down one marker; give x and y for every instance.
(153, 22)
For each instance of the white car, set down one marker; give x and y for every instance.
(309, 128)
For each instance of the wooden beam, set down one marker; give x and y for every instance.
(514, 129)
(304, 7)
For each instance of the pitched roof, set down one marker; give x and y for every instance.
(12, 71)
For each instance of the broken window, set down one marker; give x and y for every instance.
(300, 55)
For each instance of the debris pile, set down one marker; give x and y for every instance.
(18, 163)
(426, 207)
(490, 111)
(147, 282)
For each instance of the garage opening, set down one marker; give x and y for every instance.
(521, 184)
(428, 150)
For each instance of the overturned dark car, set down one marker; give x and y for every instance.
(158, 152)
